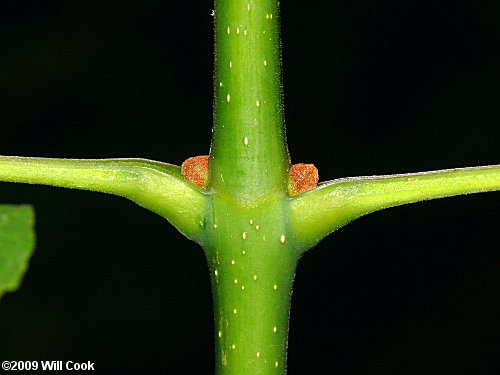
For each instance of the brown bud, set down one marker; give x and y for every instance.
(303, 177)
(195, 170)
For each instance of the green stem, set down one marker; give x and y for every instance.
(156, 186)
(249, 158)
(252, 262)
(251, 257)
(333, 204)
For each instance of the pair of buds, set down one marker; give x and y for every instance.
(303, 177)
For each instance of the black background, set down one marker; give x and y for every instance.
(371, 87)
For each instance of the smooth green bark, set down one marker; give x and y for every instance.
(252, 260)
(249, 158)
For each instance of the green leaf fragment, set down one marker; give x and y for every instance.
(17, 241)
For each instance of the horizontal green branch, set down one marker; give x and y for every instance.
(333, 204)
(156, 186)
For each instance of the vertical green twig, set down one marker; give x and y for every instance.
(252, 260)
(249, 158)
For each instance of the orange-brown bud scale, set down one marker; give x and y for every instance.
(195, 170)
(303, 177)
